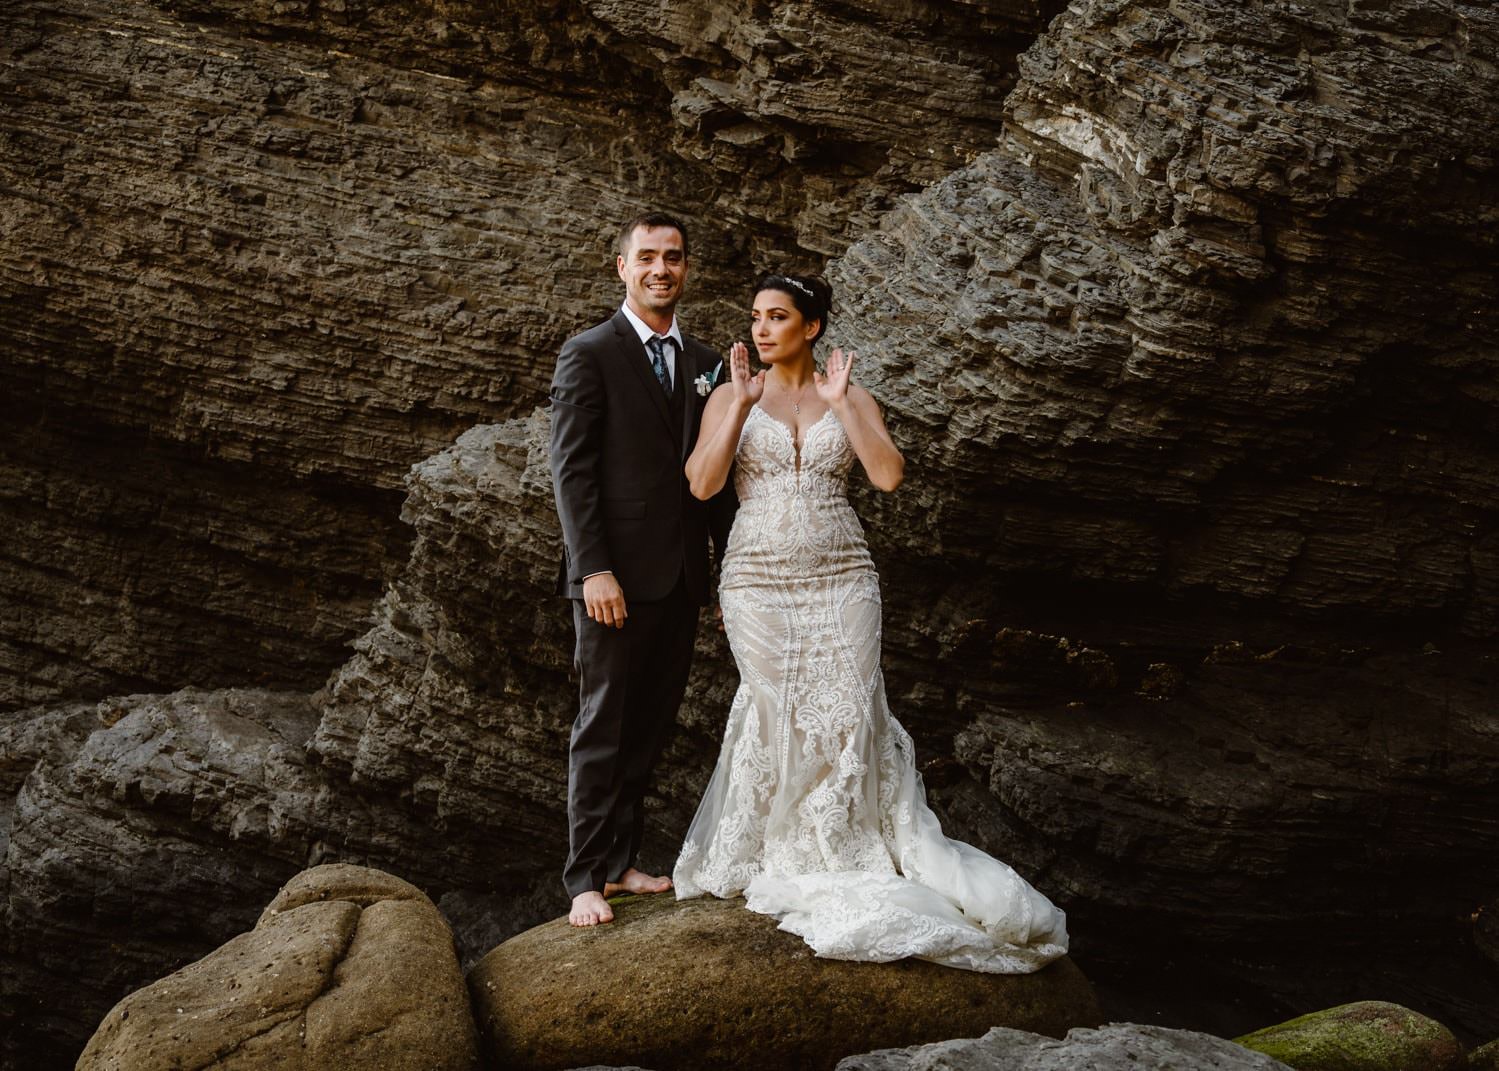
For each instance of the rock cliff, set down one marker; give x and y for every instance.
(1183, 319)
(260, 258)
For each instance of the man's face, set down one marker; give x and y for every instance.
(654, 267)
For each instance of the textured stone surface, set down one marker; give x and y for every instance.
(134, 563)
(707, 982)
(347, 967)
(1370, 1035)
(1484, 1058)
(1486, 930)
(1195, 376)
(1190, 590)
(285, 250)
(152, 829)
(1115, 1047)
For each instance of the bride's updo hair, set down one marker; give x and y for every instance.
(811, 295)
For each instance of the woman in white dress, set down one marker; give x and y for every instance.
(815, 812)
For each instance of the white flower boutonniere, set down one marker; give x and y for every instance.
(706, 383)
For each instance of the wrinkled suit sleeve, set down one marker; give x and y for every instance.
(578, 405)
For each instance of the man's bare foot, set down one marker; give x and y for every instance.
(633, 881)
(589, 909)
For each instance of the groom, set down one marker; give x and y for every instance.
(625, 410)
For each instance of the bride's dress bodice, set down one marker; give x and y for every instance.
(815, 811)
(794, 517)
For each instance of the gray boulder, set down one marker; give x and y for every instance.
(1115, 1047)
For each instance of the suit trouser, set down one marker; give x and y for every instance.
(631, 682)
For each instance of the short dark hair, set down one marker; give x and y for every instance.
(811, 295)
(648, 220)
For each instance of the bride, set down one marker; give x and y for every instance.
(815, 811)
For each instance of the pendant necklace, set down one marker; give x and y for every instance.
(796, 405)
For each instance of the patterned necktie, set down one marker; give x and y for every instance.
(657, 345)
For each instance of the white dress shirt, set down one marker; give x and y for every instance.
(674, 333)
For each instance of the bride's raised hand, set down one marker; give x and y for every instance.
(747, 388)
(832, 387)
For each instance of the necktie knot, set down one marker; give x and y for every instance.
(656, 344)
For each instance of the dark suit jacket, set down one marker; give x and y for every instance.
(616, 459)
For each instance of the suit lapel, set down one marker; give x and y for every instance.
(687, 376)
(634, 355)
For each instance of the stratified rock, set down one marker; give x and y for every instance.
(1370, 1035)
(151, 829)
(348, 967)
(708, 983)
(1195, 374)
(269, 255)
(1115, 1047)
(1193, 572)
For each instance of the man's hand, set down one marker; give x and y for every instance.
(605, 600)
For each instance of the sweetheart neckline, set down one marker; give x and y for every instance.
(790, 431)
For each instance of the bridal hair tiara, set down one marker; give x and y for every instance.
(803, 287)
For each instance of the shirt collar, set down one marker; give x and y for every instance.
(674, 332)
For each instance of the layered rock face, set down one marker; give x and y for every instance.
(261, 258)
(1203, 403)
(1189, 591)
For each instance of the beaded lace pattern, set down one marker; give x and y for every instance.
(815, 811)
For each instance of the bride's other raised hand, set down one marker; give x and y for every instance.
(748, 389)
(832, 387)
(862, 421)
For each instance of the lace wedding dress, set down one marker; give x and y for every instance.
(815, 811)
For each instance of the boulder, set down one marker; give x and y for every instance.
(1485, 1057)
(348, 967)
(1370, 1035)
(1115, 1047)
(708, 983)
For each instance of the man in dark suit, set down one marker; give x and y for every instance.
(626, 404)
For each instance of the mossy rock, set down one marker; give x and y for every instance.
(708, 983)
(1485, 1057)
(1370, 1035)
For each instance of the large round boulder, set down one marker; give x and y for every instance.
(708, 983)
(347, 967)
(1369, 1035)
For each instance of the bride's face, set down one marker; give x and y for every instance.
(780, 331)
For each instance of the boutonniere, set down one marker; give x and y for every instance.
(706, 382)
